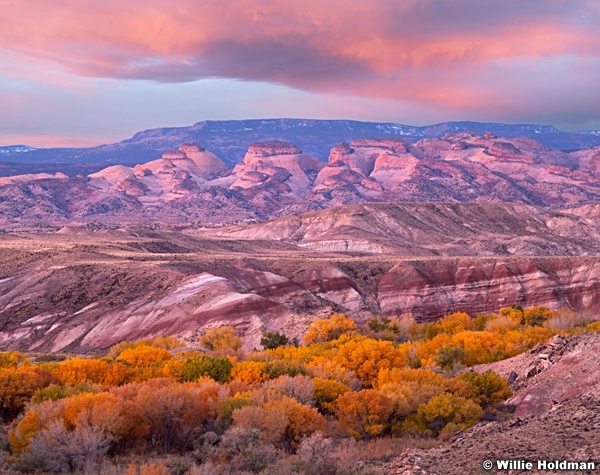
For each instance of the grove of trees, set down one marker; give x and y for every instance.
(236, 410)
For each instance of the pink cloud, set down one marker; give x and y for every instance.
(453, 53)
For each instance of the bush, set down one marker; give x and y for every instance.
(12, 359)
(365, 414)
(230, 404)
(221, 339)
(191, 369)
(536, 316)
(326, 393)
(275, 368)
(488, 388)
(246, 450)
(329, 329)
(300, 388)
(314, 454)
(564, 319)
(63, 450)
(17, 385)
(147, 469)
(270, 341)
(446, 413)
(164, 342)
(594, 327)
(449, 357)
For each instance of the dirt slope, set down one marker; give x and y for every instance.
(557, 415)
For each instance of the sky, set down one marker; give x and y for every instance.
(82, 73)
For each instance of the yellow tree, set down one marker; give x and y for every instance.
(283, 421)
(447, 413)
(328, 329)
(327, 391)
(250, 372)
(221, 340)
(17, 385)
(365, 414)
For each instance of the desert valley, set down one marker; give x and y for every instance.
(266, 237)
(389, 233)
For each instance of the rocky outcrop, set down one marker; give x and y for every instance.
(433, 229)
(276, 178)
(426, 289)
(209, 165)
(361, 155)
(30, 177)
(556, 414)
(275, 171)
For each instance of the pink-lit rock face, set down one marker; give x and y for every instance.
(276, 178)
(361, 155)
(271, 148)
(209, 165)
(148, 290)
(276, 171)
(174, 155)
(426, 289)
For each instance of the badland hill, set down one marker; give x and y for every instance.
(193, 187)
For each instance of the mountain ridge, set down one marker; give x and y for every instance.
(192, 186)
(228, 139)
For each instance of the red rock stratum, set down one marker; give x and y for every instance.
(88, 287)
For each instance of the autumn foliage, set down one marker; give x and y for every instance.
(398, 378)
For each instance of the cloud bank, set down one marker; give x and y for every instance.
(515, 60)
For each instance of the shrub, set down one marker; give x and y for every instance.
(191, 369)
(246, 451)
(283, 421)
(275, 368)
(164, 342)
(326, 392)
(147, 469)
(227, 406)
(63, 450)
(250, 372)
(594, 327)
(449, 356)
(488, 388)
(270, 341)
(365, 414)
(173, 410)
(144, 356)
(314, 454)
(300, 388)
(446, 413)
(536, 316)
(564, 319)
(12, 359)
(17, 385)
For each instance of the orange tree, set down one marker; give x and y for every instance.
(328, 329)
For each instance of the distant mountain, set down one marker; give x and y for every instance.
(15, 149)
(192, 187)
(230, 139)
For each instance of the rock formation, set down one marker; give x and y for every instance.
(422, 260)
(276, 178)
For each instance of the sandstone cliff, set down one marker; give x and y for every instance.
(276, 178)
